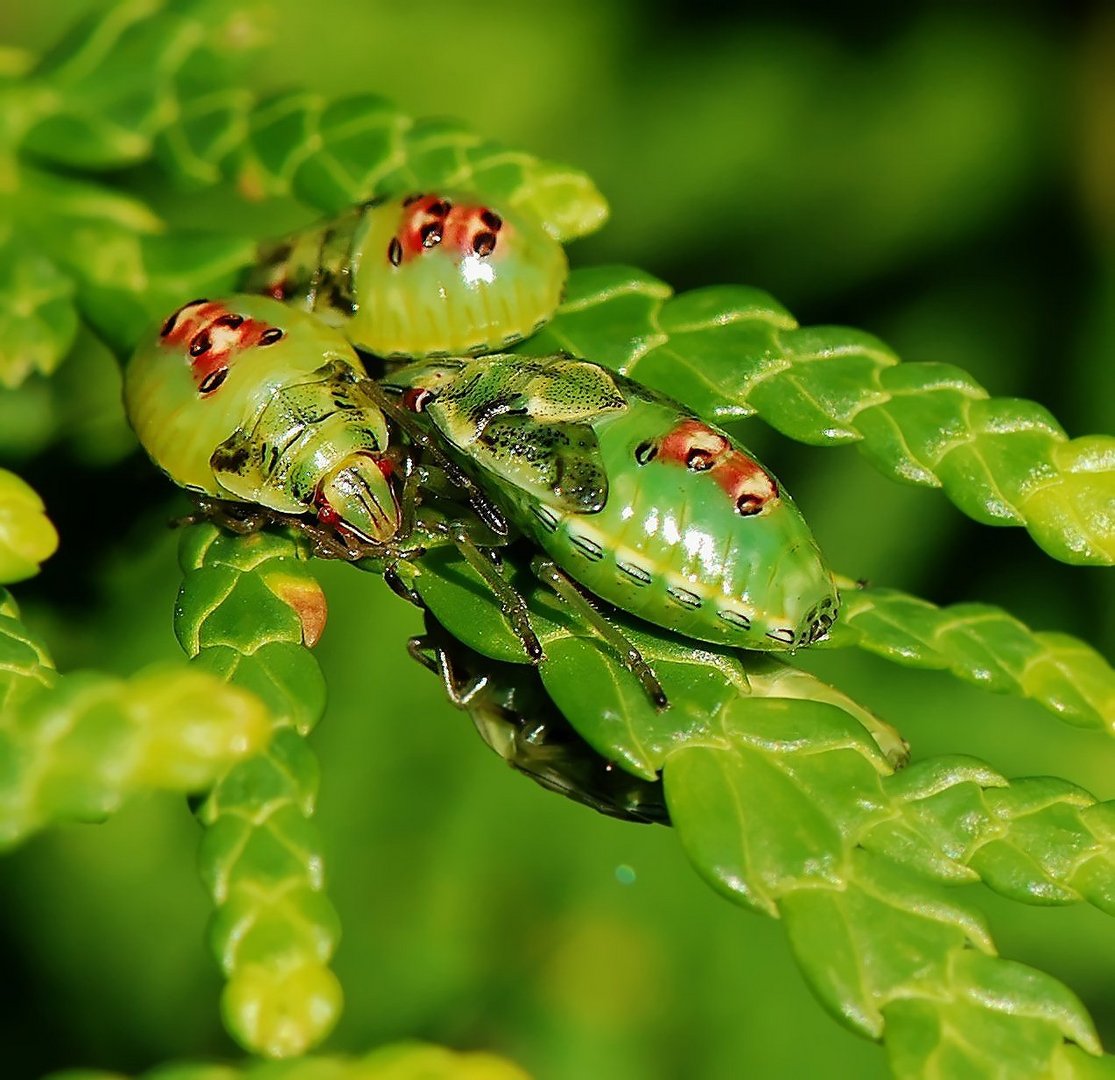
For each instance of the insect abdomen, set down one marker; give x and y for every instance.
(683, 548)
(632, 579)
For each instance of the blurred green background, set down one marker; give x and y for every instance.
(941, 174)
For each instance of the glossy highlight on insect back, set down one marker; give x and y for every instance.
(248, 400)
(422, 274)
(641, 502)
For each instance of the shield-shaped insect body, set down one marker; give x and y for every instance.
(634, 497)
(250, 401)
(425, 274)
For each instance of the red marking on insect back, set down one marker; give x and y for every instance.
(187, 320)
(749, 486)
(694, 445)
(212, 334)
(473, 230)
(700, 449)
(430, 222)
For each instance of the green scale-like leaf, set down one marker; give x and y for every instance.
(603, 700)
(96, 102)
(782, 792)
(119, 77)
(25, 664)
(27, 536)
(731, 351)
(978, 643)
(154, 79)
(399, 1061)
(38, 320)
(984, 645)
(74, 747)
(1038, 840)
(330, 155)
(247, 611)
(772, 815)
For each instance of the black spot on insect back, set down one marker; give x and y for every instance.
(699, 460)
(440, 209)
(231, 321)
(169, 324)
(484, 243)
(213, 380)
(492, 220)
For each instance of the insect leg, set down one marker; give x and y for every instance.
(514, 607)
(400, 588)
(240, 519)
(243, 519)
(408, 502)
(548, 572)
(459, 693)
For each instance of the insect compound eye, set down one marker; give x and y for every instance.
(416, 399)
(698, 460)
(200, 343)
(748, 505)
(431, 235)
(645, 452)
(269, 337)
(213, 380)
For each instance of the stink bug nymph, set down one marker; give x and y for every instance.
(632, 496)
(425, 274)
(248, 401)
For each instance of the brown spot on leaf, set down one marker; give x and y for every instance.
(305, 598)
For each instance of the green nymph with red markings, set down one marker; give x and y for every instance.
(431, 274)
(249, 401)
(638, 500)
